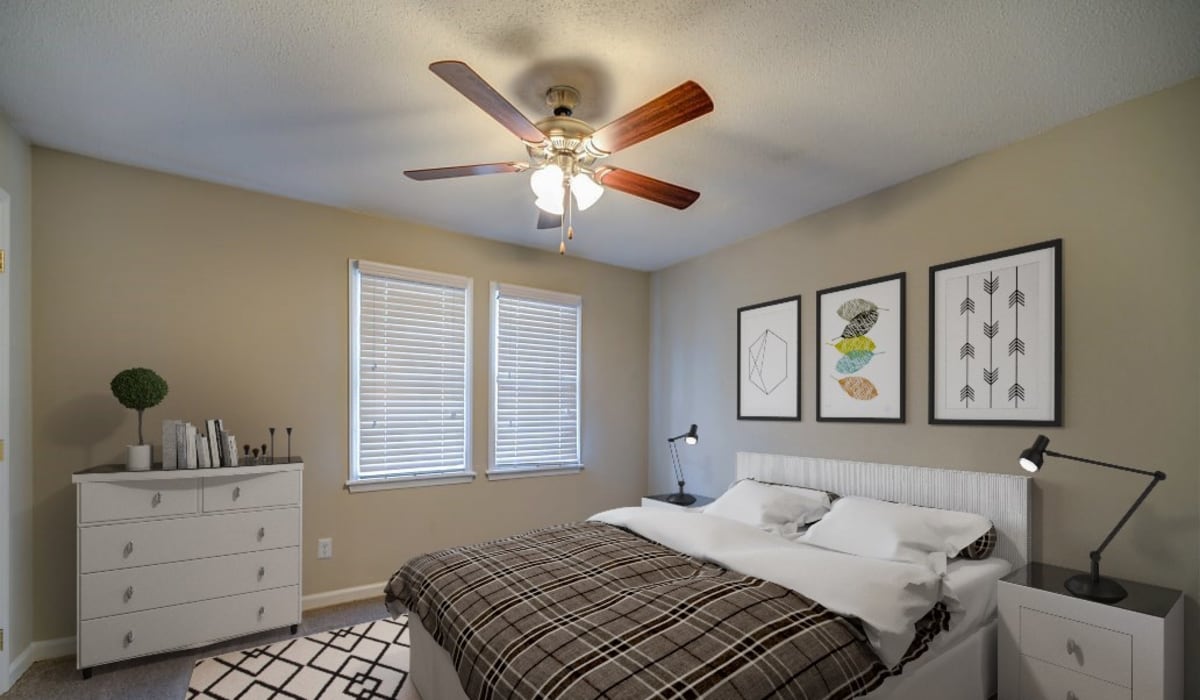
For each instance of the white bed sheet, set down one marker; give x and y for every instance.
(974, 584)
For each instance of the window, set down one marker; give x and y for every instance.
(409, 376)
(535, 377)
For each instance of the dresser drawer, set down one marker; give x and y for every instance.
(128, 500)
(123, 545)
(220, 493)
(1043, 681)
(1099, 652)
(145, 587)
(152, 631)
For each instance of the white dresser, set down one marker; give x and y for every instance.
(176, 559)
(1054, 646)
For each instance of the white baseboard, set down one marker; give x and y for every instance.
(39, 651)
(343, 595)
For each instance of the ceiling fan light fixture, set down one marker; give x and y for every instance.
(587, 192)
(547, 183)
(550, 205)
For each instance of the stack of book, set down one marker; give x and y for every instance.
(185, 447)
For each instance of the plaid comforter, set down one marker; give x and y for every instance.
(590, 610)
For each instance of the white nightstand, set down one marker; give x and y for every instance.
(660, 501)
(1053, 645)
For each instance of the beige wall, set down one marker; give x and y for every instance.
(15, 179)
(239, 300)
(1122, 188)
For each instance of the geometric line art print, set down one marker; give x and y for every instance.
(369, 661)
(768, 361)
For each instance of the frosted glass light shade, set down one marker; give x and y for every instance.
(552, 205)
(547, 183)
(586, 191)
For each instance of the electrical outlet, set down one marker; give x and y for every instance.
(325, 548)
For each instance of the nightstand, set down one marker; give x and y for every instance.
(660, 501)
(1053, 645)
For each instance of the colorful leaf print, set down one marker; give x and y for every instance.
(854, 307)
(860, 324)
(853, 361)
(858, 388)
(849, 345)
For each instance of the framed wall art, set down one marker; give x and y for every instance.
(995, 338)
(769, 360)
(860, 351)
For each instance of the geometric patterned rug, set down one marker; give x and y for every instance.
(366, 661)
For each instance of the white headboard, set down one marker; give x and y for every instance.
(1003, 498)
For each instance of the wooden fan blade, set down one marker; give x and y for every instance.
(664, 112)
(548, 220)
(460, 77)
(465, 170)
(646, 187)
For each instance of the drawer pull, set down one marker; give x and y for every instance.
(237, 492)
(156, 499)
(262, 571)
(1075, 651)
(129, 638)
(128, 594)
(262, 610)
(128, 548)
(262, 532)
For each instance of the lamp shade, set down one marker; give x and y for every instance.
(691, 437)
(547, 183)
(586, 191)
(1032, 457)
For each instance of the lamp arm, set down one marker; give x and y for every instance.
(675, 463)
(1106, 464)
(1158, 476)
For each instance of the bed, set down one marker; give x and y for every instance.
(620, 606)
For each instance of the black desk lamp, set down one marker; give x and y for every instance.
(1092, 586)
(691, 438)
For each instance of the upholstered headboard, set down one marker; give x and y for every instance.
(1003, 498)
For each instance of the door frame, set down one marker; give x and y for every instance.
(5, 417)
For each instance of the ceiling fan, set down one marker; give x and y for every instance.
(564, 152)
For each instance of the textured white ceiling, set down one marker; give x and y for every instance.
(817, 102)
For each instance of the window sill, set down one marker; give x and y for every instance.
(527, 472)
(409, 482)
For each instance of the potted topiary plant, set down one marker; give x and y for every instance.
(138, 388)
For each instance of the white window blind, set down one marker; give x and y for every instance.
(536, 375)
(410, 343)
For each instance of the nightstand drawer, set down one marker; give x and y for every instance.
(1043, 681)
(1095, 651)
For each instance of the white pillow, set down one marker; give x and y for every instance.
(782, 510)
(883, 530)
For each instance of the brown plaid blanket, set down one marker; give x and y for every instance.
(590, 610)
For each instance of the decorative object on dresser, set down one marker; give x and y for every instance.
(691, 437)
(768, 372)
(1053, 645)
(995, 338)
(860, 377)
(1092, 585)
(138, 388)
(171, 559)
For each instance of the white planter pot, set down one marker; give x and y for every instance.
(137, 458)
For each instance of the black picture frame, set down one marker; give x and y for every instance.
(822, 337)
(797, 300)
(1056, 394)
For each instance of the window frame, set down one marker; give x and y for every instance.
(355, 483)
(500, 472)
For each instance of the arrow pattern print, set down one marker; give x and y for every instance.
(990, 321)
